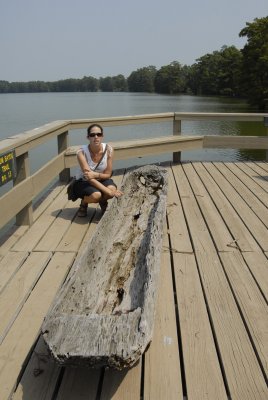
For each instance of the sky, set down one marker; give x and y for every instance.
(49, 40)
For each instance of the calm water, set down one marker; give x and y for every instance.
(21, 112)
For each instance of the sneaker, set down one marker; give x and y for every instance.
(82, 211)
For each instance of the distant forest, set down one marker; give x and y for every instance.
(227, 72)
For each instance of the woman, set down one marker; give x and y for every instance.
(94, 183)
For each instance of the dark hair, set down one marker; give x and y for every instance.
(92, 126)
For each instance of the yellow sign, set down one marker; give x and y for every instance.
(7, 167)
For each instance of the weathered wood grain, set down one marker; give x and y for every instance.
(104, 313)
(26, 327)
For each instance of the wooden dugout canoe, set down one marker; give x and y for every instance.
(104, 313)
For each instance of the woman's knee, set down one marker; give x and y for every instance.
(106, 196)
(93, 198)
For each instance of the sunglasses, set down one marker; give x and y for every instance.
(99, 134)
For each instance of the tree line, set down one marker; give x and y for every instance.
(227, 72)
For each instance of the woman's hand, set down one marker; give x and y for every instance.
(91, 175)
(115, 192)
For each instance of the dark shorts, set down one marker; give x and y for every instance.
(83, 188)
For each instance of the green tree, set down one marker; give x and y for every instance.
(19, 87)
(142, 80)
(4, 87)
(89, 84)
(217, 73)
(171, 79)
(193, 79)
(37, 86)
(255, 62)
(208, 68)
(106, 84)
(230, 71)
(120, 83)
(68, 85)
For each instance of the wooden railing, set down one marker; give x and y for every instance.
(18, 200)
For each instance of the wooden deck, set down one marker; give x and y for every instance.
(211, 329)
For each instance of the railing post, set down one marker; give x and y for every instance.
(63, 144)
(25, 216)
(266, 126)
(176, 131)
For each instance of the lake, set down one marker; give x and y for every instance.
(24, 111)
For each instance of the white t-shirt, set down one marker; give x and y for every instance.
(92, 165)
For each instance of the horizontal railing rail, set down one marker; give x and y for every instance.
(18, 200)
(247, 117)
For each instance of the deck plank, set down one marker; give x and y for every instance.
(58, 228)
(251, 303)
(41, 225)
(162, 375)
(255, 226)
(197, 338)
(246, 167)
(24, 332)
(72, 239)
(92, 226)
(202, 235)
(79, 384)
(40, 377)
(16, 291)
(9, 265)
(249, 197)
(181, 240)
(238, 357)
(255, 167)
(214, 220)
(202, 368)
(125, 384)
(242, 237)
(243, 373)
(251, 184)
(263, 165)
(11, 237)
(47, 199)
(258, 265)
